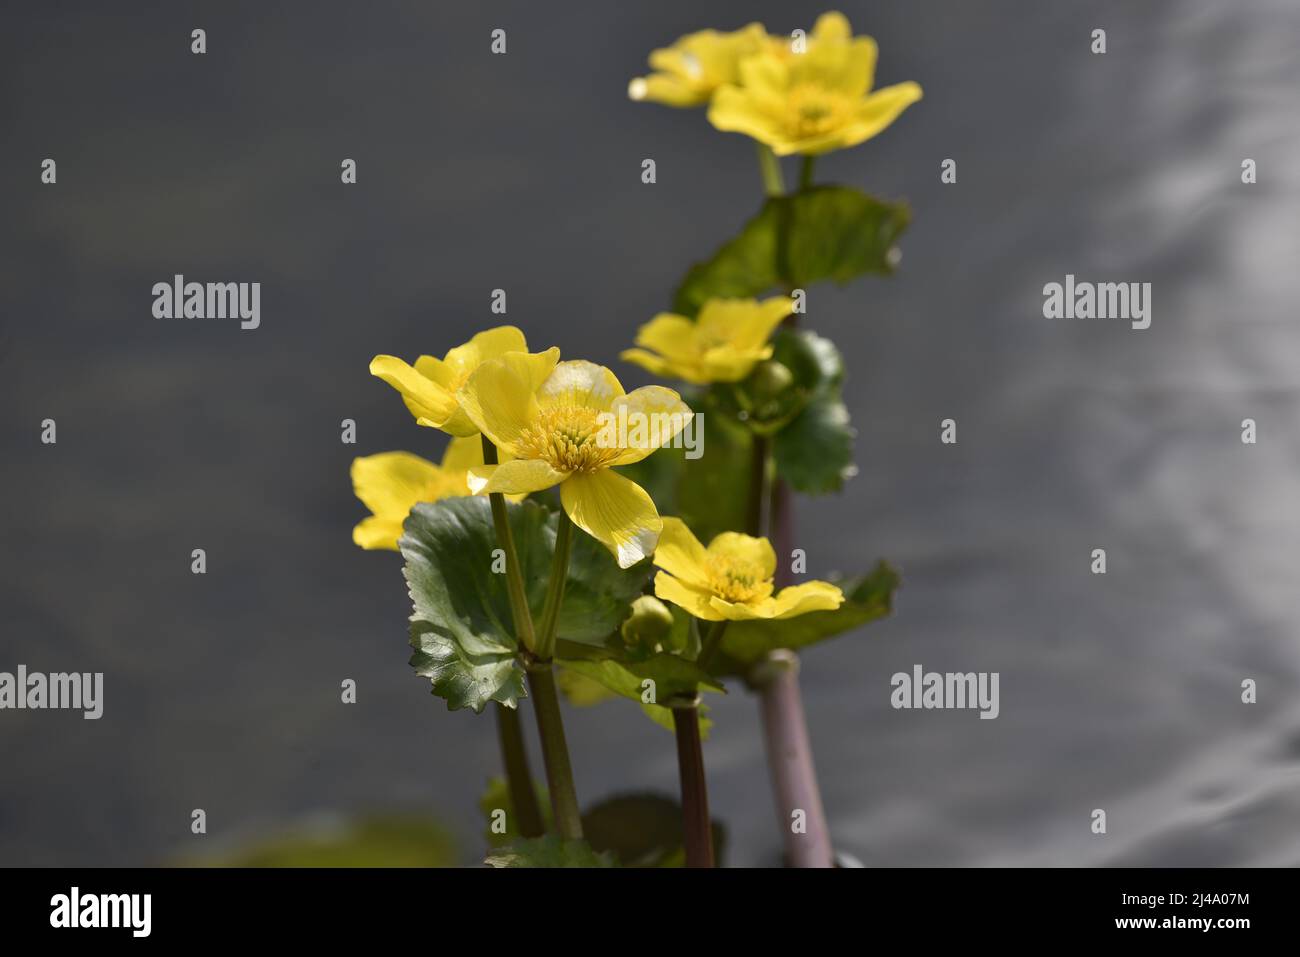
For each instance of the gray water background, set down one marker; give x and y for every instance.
(523, 171)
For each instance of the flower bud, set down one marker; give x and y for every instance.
(649, 623)
(770, 379)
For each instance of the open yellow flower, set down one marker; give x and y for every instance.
(392, 483)
(688, 72)
(812, 102)
(731, 579)
(429, 387)
(568, 425)
(723, 344)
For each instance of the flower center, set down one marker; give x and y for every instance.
(813, 110)
(736, 580)
(569, 439)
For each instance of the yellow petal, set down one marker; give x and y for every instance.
(683, 596)
(615, 511)
(424, 397)
(390, 484)
(375, 533)
(488, 344)
(832, 25)
(810, 596)
(580, 383)
(747, 549)
(668, 90)
(500, 395)
(670, 335)
(463, 454)
(660, 366)
(734, 110)
(517, 477)
(653, 416)
(680, 553)
(744, 323)
(727, 364)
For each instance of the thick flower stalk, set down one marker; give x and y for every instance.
(390, 484)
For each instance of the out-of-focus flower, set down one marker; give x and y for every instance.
(731, 579)
(723, 344)
(688, 72)
(811, 102)
(390, 484)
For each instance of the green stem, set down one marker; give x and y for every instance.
(757, 485)
(514, 577)
(519, 780)
(712, 642)
(696, 827)
(555, 750)
(806, 171)
(770, 167)
(555, 588)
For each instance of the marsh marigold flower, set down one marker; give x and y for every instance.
(811, 102)
(731, 579)
(564, 424)
(392, 483)
(429, 387)
(723, 344)
(688, 72)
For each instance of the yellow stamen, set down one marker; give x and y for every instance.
(567, 438)
(737, 580)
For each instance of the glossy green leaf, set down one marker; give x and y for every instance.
(461, 626)
(829, 232)
(814, 451)
(866, 599)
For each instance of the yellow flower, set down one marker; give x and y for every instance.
(731, 579)
(429, 388)
(688, 72)
(392, 483)
(723, 345)
(812, 102)
(567, 425)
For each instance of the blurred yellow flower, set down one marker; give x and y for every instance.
(811, 102)
(429, 387)
(723, 344)
(731, 579)
(392, 483)
(568, 425)
(688, 72)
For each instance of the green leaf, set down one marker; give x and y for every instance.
(671, 676)
(831, 232)
(814, 451)
(623, 678)
(548, 851)
(643, 830)
(865, 599)
(461, 623)
(398, 840)
(495, 798)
